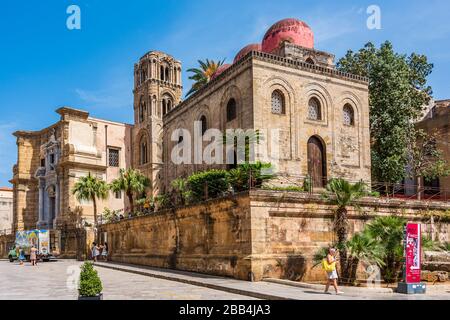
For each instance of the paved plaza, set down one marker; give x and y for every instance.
(57, 281)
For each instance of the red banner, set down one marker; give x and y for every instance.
(413, 257)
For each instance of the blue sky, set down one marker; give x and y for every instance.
(45, 65)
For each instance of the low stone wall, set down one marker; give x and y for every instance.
(251, 236)
(214, 237)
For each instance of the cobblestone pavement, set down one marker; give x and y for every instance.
(54, 281)
(57, 281)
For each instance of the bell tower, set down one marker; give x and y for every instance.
(157, 90)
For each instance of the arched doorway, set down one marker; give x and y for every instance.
(317, 162)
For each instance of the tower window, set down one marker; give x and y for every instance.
(278, 102)
(314, 109)
(52, 158)
(348, 115)
(118, 195)
(113, 157)
(231, 110)
(204, 124)
(143, 151)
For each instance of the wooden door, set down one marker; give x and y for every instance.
(316, 162)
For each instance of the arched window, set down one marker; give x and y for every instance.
(167, 76)
(348, 115)
(143, 150)
(142, 111)
(314, 109)
(161, 73)
(278, 106)
(204, 124)
(231, 110)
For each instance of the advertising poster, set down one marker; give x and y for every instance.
(44, 242)
(413, 253)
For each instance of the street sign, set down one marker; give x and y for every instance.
(413, 253)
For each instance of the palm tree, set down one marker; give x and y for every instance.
(203, 74)
(389, 232)
(343, 194)
(132, 182)
(91, 188)
(362, 247)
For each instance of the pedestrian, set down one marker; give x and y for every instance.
(33, 255)
(95, 251)
(21, 256)
(329, 265)
(105, 251)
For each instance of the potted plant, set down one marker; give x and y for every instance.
(90, 287)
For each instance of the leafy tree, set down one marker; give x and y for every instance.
(132, 182)
(90, 284)
(203, 75)
(398, 91)
(426, 161)
(91, 188)
(343, 194)
(388, 231)
(215, 181)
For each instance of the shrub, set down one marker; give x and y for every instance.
(287, 188)
(110, 215)
(374, 194)
(90, 283)
(216, 180)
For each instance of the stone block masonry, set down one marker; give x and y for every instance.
(252, 236)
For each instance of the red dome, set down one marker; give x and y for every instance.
(220, 70)
(247, 49)
(291, 30)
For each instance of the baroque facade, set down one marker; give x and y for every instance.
(50, 162)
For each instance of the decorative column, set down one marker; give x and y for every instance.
(57, 206)
(41, 202)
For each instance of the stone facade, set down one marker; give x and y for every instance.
(251, 82)
(6, 210)
(157, 90)
(252, 236)
(438, 121)
(51, 161)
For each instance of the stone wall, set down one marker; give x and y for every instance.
(251, 236)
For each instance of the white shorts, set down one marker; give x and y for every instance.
(332, 275)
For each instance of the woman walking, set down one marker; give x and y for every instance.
(95, 251)
(33, 255)
(105, 251)
(21, 256)
(329, 265)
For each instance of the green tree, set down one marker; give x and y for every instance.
(388, 231)
(202, 75)
(132, 182)
(91, 188)
(426, 161)
(343, 194)
(398, 91)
